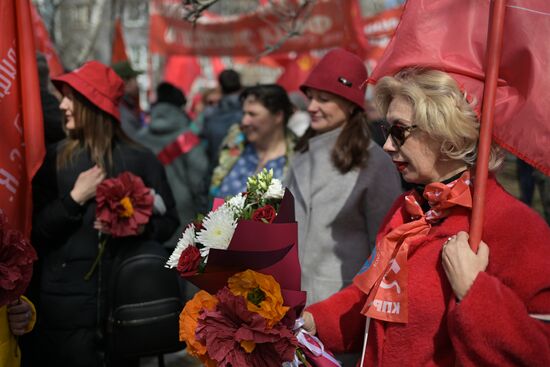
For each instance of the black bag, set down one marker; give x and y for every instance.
(144, 304)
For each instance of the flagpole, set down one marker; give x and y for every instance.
(494, 51)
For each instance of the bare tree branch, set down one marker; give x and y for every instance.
(290, 17)
(290, 20)
(195, 8)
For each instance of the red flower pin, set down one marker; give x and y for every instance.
(123, 204)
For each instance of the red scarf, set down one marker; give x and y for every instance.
(183, 144)
(384, 275)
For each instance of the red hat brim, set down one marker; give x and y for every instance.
(93, 95)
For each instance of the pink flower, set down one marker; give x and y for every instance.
(16, 258)
(236, 337)
(189, 261)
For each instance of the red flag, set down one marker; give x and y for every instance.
(182, 71)
(22, 138)
(45, 45)
(452, 36)
(296, 70)
(119, 46)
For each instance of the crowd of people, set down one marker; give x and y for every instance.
(382, 205)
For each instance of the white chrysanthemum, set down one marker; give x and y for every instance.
(218, 228)
(187, 239)
(236, 203)
(275, 190)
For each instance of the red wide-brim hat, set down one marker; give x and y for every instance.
(98, 83)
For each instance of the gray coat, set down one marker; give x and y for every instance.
(187, 173)
(338, 214)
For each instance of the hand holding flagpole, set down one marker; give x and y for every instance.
(494, 51)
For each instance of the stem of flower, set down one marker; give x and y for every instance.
(102, 243)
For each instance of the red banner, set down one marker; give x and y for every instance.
(44, 44)
(378, 31)
(22, 138)
(118, 53)
(330, 24)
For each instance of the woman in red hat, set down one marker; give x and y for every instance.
(343, 183)
(429, 300)
(72, 310)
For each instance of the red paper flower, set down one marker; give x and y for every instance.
(189, 261)
(236, 337)
(265, 214)
(16, 258)
(123, 204)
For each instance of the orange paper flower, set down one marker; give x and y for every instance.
(262, 292)
(188, 324)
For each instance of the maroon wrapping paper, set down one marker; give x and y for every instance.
(266, 248)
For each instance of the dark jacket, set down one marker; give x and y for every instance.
(72, 310)
(217, 123)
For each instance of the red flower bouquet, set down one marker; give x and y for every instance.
(124, 205)
(245, 240)
(241, 325)
(16, 258)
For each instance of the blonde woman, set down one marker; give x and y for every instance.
(430, 299)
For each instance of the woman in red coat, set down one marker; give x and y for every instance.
(428, 299)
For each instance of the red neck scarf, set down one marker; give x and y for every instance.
(384, 275)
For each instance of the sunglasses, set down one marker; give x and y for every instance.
(398, 133)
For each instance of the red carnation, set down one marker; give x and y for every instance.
(265, 214)
(16, 258)
(189, 261)
(123, 204)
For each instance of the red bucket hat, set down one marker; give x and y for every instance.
(342, 73)
(98, 83)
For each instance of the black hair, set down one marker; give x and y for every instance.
(169, 93)
(230, 81)
(272, 96)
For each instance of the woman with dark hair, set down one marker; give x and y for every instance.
(65, 232)
(343, 183)
(262, 140)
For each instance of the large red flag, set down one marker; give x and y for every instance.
(22, 138)
(119, 46)
(452, 36)
(296, 70)
(45, 45)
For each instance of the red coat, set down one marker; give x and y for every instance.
(494, 324)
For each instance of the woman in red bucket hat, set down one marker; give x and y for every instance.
(343, 183)
(65, 232)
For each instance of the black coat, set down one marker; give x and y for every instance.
(72, 310)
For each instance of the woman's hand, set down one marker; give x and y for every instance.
(101, 227)
(461, 264)
(309, 323)
(19, 317)
(86, 184)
